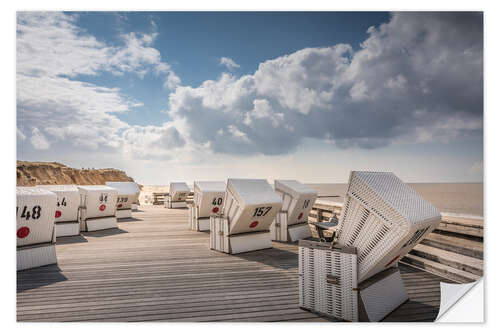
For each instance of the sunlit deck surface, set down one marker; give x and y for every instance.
(154, 269)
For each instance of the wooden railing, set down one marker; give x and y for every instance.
(323, 212)
(159, 197)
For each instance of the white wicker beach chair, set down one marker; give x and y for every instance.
(384, 219)
(128, 192)
(67, 209)
(177, 195)
(250, 206)
(291, 224)
(35, 231)
(208, 201)
(98, 207)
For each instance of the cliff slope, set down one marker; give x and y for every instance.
(49, 173)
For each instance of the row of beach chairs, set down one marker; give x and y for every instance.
(45, 212)
(353, 275)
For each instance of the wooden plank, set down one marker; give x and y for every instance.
(154, 269)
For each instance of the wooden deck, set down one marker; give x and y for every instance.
(154, 269)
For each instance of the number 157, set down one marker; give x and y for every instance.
(261, 211)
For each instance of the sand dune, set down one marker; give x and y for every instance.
(50, 173)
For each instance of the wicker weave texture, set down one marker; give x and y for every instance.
(380, 217)
(68, 201)
(327, 282)
(35, 211)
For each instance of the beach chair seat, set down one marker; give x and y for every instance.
(35, 229)
(67, 209)
(328, 284)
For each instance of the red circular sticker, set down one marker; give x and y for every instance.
(58, 213)
(102, 207)
(23, 232)
(120, 205)
(215, 209)
(254, 224)
(300, 216)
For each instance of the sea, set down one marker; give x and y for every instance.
(463, 199)
(457, 198)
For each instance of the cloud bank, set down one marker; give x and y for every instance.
(53, 105)
(417, 78)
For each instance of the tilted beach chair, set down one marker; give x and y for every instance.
(250, 206)
(382, 219)
(291, 223)
(208, 201)
(35, 231)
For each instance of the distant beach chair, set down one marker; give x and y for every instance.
(98, 207)
(177, 195)
(291, 223)
(250, 205)
(67, 209)
(128, 192)
(36, 234)
(207, 201)
(382, 219)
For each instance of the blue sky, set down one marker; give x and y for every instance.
(194, 42)
(172, 96)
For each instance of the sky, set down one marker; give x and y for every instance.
(184, 96)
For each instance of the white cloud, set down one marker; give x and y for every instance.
(152, 142)
(236, 133)
(229, 63)
(172, 81)
(417, 78)
(262, 110)
(38, 140)
(52, 51)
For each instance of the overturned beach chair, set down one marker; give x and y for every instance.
(35, 231)
(98, 207)
(127, 195)
(67, 209)
(291, 223)
(208, 201)
(177, 195)
(382, 219)
(250, 206)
